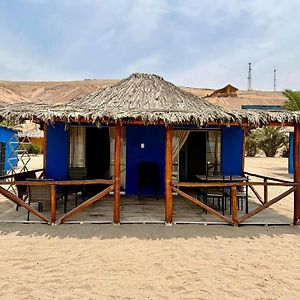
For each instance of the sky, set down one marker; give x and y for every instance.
(199, 43)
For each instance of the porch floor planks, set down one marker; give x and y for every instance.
(146, 210)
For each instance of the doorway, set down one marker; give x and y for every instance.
(200, 155)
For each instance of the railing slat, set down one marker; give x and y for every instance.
(266, 205)
(266, 177)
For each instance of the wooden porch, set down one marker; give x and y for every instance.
(148, 210)
(108, 206)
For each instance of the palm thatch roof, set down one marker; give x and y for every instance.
(144, 97)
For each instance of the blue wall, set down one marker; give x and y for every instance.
(291, 158)
(57, 152)
(5, 136)
(232, 150)
(153, 138)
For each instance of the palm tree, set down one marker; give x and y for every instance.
(293, 102)
(271, 139)
(252, 143)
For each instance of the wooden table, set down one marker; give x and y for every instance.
(220, 178)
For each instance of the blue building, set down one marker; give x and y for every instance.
(8, 142)
(111, 135)
(206, 150)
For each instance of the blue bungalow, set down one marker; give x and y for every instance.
(197, 150)
(146, 136)
(8, 142)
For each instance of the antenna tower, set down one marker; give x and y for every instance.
(275, 81)
(249, 78)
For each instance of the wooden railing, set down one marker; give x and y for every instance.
(235, 220)
(53, 184)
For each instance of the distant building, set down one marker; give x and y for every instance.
(227, 91)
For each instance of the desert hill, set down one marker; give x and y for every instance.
(54, 92)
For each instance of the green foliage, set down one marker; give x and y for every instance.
(293, 102)
(271, 139)
(9, 124)
(267, 139)
(32, 149)
(252, 143)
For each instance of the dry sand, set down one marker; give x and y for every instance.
(153, 261)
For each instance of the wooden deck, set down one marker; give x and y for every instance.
(147, 210)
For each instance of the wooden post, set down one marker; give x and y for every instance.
(45, 146)
(168, 177)
(117, 172)
(244, 151)
(234, 207)
(296, 157)
(265, 190)
(52, 204)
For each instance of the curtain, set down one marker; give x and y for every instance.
(77, 147)
(178, 140)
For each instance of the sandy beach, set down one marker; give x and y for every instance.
(154, 261)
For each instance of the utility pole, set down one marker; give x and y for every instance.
(249, 78)
(275, 81)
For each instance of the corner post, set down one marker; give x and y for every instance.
(244, 150)
(168, 177)
(45, 146)
(52, 204)
(117, 172)
(296, 219)
(234, 206)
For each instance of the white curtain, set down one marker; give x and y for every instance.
(178, 140)
(77, 146)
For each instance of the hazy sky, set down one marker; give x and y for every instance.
(203, 43)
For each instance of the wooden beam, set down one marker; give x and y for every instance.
(234, 206)
(236, 183)
(265, 190)
(85, 204)
(256, 194)
(52, 204)
(13, 175)
(168, 177)
(117, 172)
(63, 182)
(267, 177)
(266, 205)
(20, 202)
(296, 219)
(202, 205)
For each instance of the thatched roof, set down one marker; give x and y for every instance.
(143, 97)
(139, 97)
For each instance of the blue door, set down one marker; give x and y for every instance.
(144, 144)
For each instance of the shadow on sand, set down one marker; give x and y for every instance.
(146, 231)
